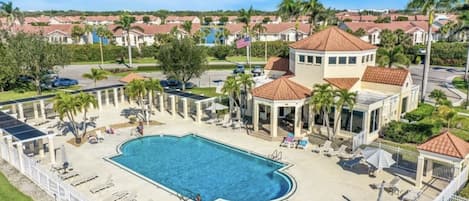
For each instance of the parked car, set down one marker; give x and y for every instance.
(189, 85)
(257, 71)
(172, 82)
(239, 69)
(164, 84)
(64, 82)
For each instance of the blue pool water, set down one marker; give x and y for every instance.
(193, 165)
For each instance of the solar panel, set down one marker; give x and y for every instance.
(186, 95)
(18, 129)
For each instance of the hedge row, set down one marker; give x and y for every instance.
(449, 54)
(91, 52)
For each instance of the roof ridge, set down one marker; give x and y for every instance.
(327, 39)
(347, 38)
(454, 144)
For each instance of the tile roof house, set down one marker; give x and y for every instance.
(446, 144)
(331, 56)
(284, 31)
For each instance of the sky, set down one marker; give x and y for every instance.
(201, 5)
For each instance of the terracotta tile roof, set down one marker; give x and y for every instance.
(282, 27)
(281, 89)
(406, 26)
(277, 63)
(446, 144)
(342, 83)
(332, 39)
(382, 75)
(132, 76)
(152, 29)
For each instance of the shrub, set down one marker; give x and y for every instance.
(221, 51)
(408, 133)
(448, 54)
(424, 110)
(274, 48)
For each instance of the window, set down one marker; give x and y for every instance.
(371, 57)
(374, 120)
(342, 60)
(404, 105)
(332, 60)
(352, 60)
(367, 58)
(310, 59)
(363, 59)
(318, 60)
(301, 58)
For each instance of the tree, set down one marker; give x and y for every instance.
(322, 100)
(259, 29)
(163, 38)
(439, 97)
(125, 24)
(88, 29)
(208, 20)
(66, 105)
(447, 29)
(313, 8)
(152, 85)
(246, 82)
(223, 20)
(447, 113)
(103, 32)
(187, 27)
(343, 98)
(146, 19)
(84, 101)
(359, 32)
(391, 56)
(266, 20)
(136, 89)
(429, 7)
(244, 17)
(403, 39)
(232, 88)
(77, 33)
(182, 59)
(96, 75)
(291, 9)
(12, 13)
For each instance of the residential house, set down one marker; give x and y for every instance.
(153, 19)
(181, 19)
(274, 32)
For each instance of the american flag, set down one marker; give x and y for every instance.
(243, 42)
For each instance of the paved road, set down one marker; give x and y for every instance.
(438, 76)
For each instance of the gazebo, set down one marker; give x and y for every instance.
(445, 148)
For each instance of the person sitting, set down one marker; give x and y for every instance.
(92, 139)
(140, 128)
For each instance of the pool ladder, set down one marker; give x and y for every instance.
(276, 155)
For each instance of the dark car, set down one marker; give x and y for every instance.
(239, 69)
(257, 71)
(172, 82)
(164, 84)
(64, 82)
(188, 85)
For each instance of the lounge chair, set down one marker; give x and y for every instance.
(341, 150)
(227, 124)
(288, 141)
(226, 119)
(68, 175)
(99, 136)
(84, 180)
(356, 153)
(324, 148)
(130, 197)
(237, 124)
(391, 186)
(303, 143)
(104, 186)
(351, 163)
(412, 195)
(117, 196)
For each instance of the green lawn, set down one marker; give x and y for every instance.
(9, 192)
(151, 60)
(459, 83)
(209, 91)
(13, 95)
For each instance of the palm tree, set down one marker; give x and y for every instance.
(439, 96)
(291, 9)
(77, 33)
(232, 89)
(447, 113)
(390, 56)
(246, 82)
(343, 98)
(12, 13)
(313, 8)
(66, 105)
(103, 32)
(137, 89)
(96, 75)
(125, 24)
(429, 7)
(88, 30)
(403, 39)
(259, 29)
(187, 27)
(245, 18)
(152, 85)
(322, 100)
(85, 100)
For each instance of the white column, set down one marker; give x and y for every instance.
(161, 98)
(198, 117)
(116, 101)
(106, 93)
(20, 111)
(255, 116)
(51, 149)
(429, 170)
(310, 119)
(184, 107)
(173, 105)
(9, 145)
(273, 120)
(36, 113)
(122, 95)
(19, 148)
(457, 169)
(42, 108)
(150, 98)
(249, 103)
(419, 172)
(14, 110)
(298, 123)
(100, 102)
(40, 143)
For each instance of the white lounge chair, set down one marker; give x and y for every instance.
(356, 153)
(226, 118)
(303, 143)
(324, 148)
(412, 195)
(84, 180)
(99, 136)
(227, 124)
(341, 150)
(117, 196)
(104, 186)
(391, 186)
(237, 124)
(68, 175)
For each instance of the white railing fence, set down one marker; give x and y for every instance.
(358, 140)
(454, 186)
(42, 177)
(458, 198)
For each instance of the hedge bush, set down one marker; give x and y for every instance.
(408, 133)
(274, 48)
(424, 110)
(91, 52)
(449, 54)
(221, 52)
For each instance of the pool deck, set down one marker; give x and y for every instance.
(317, 177)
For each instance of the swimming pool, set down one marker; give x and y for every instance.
(191, 165)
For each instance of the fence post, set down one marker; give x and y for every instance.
(398, 154)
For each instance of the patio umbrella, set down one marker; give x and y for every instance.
(378, 158)
(216, 106)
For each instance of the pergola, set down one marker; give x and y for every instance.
(446, 148)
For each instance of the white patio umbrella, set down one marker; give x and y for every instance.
(378, 158)
(216, 106)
